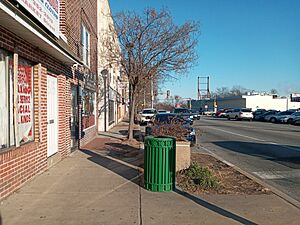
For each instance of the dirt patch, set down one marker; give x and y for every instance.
(230, 180)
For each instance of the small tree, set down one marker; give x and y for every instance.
(151, 46)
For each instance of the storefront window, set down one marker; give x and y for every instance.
(88, 108)
(24, 101)
(6, 100)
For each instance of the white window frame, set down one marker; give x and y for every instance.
(85, 44)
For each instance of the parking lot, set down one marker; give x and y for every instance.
(268, 151)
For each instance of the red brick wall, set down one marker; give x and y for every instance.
(76, 13)
(18, 165)
(73, 14)
(9, 41)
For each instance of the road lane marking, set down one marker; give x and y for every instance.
(271, 175)
(241, 135)
(257, 139)
(252, 126)
(216, 156)
(284, 145)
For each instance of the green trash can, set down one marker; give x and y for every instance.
(159, 163)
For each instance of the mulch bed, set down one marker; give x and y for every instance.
(230, 180)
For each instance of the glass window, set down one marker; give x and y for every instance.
(24, 101)
(85, 44)
(88, 108)
(246, 110)
(6, 100)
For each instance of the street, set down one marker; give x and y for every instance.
(268, 151)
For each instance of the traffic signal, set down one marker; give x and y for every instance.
(168, 93)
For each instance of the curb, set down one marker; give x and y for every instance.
(274, 190)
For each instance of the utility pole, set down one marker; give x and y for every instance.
(199, 95)
(208, 91)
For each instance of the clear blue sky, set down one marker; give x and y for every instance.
(251, 43)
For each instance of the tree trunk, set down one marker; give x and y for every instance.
(131, 117)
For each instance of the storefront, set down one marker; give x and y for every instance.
(20, 107)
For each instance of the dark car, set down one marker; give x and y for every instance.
(165, 120)
(296, 121)
(261, 117)
(259, 112)
(181, 110)
(196, 114)
(185, 113)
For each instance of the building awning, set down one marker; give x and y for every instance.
(20, 25)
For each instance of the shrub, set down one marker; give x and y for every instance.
(172, 128)
(202, 176)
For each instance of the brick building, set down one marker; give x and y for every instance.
(48, 76)
(113, 89)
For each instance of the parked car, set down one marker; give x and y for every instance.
(223, 113)
(278, 116)
(261, 117)
(240, 114)
(196, 114)
(296, 121)
(162, 111)
(184, 112)
(208, 113)
(219, 112)
(290, 118)
(146, 115)
(166, 120)
(181, 110)
(259, 112)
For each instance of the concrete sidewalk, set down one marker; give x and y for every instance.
(102, 184)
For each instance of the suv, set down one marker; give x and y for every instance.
(146, 115)
(240, 114)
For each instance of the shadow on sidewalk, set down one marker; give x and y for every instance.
(116, 166)
(126, 153)
(214, 208)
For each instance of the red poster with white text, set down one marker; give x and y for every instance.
(25, 103)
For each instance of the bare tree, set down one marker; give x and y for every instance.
(150, 46)
(273, 91)
(236, 90)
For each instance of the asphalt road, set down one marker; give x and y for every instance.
(268, 151)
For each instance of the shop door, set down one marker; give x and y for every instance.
(52, 111)
(74, 118)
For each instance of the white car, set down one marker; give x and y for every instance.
(146, 115)
(162, 111)
(240, 114)
(290, 118)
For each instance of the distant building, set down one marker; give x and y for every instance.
(253, 102)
